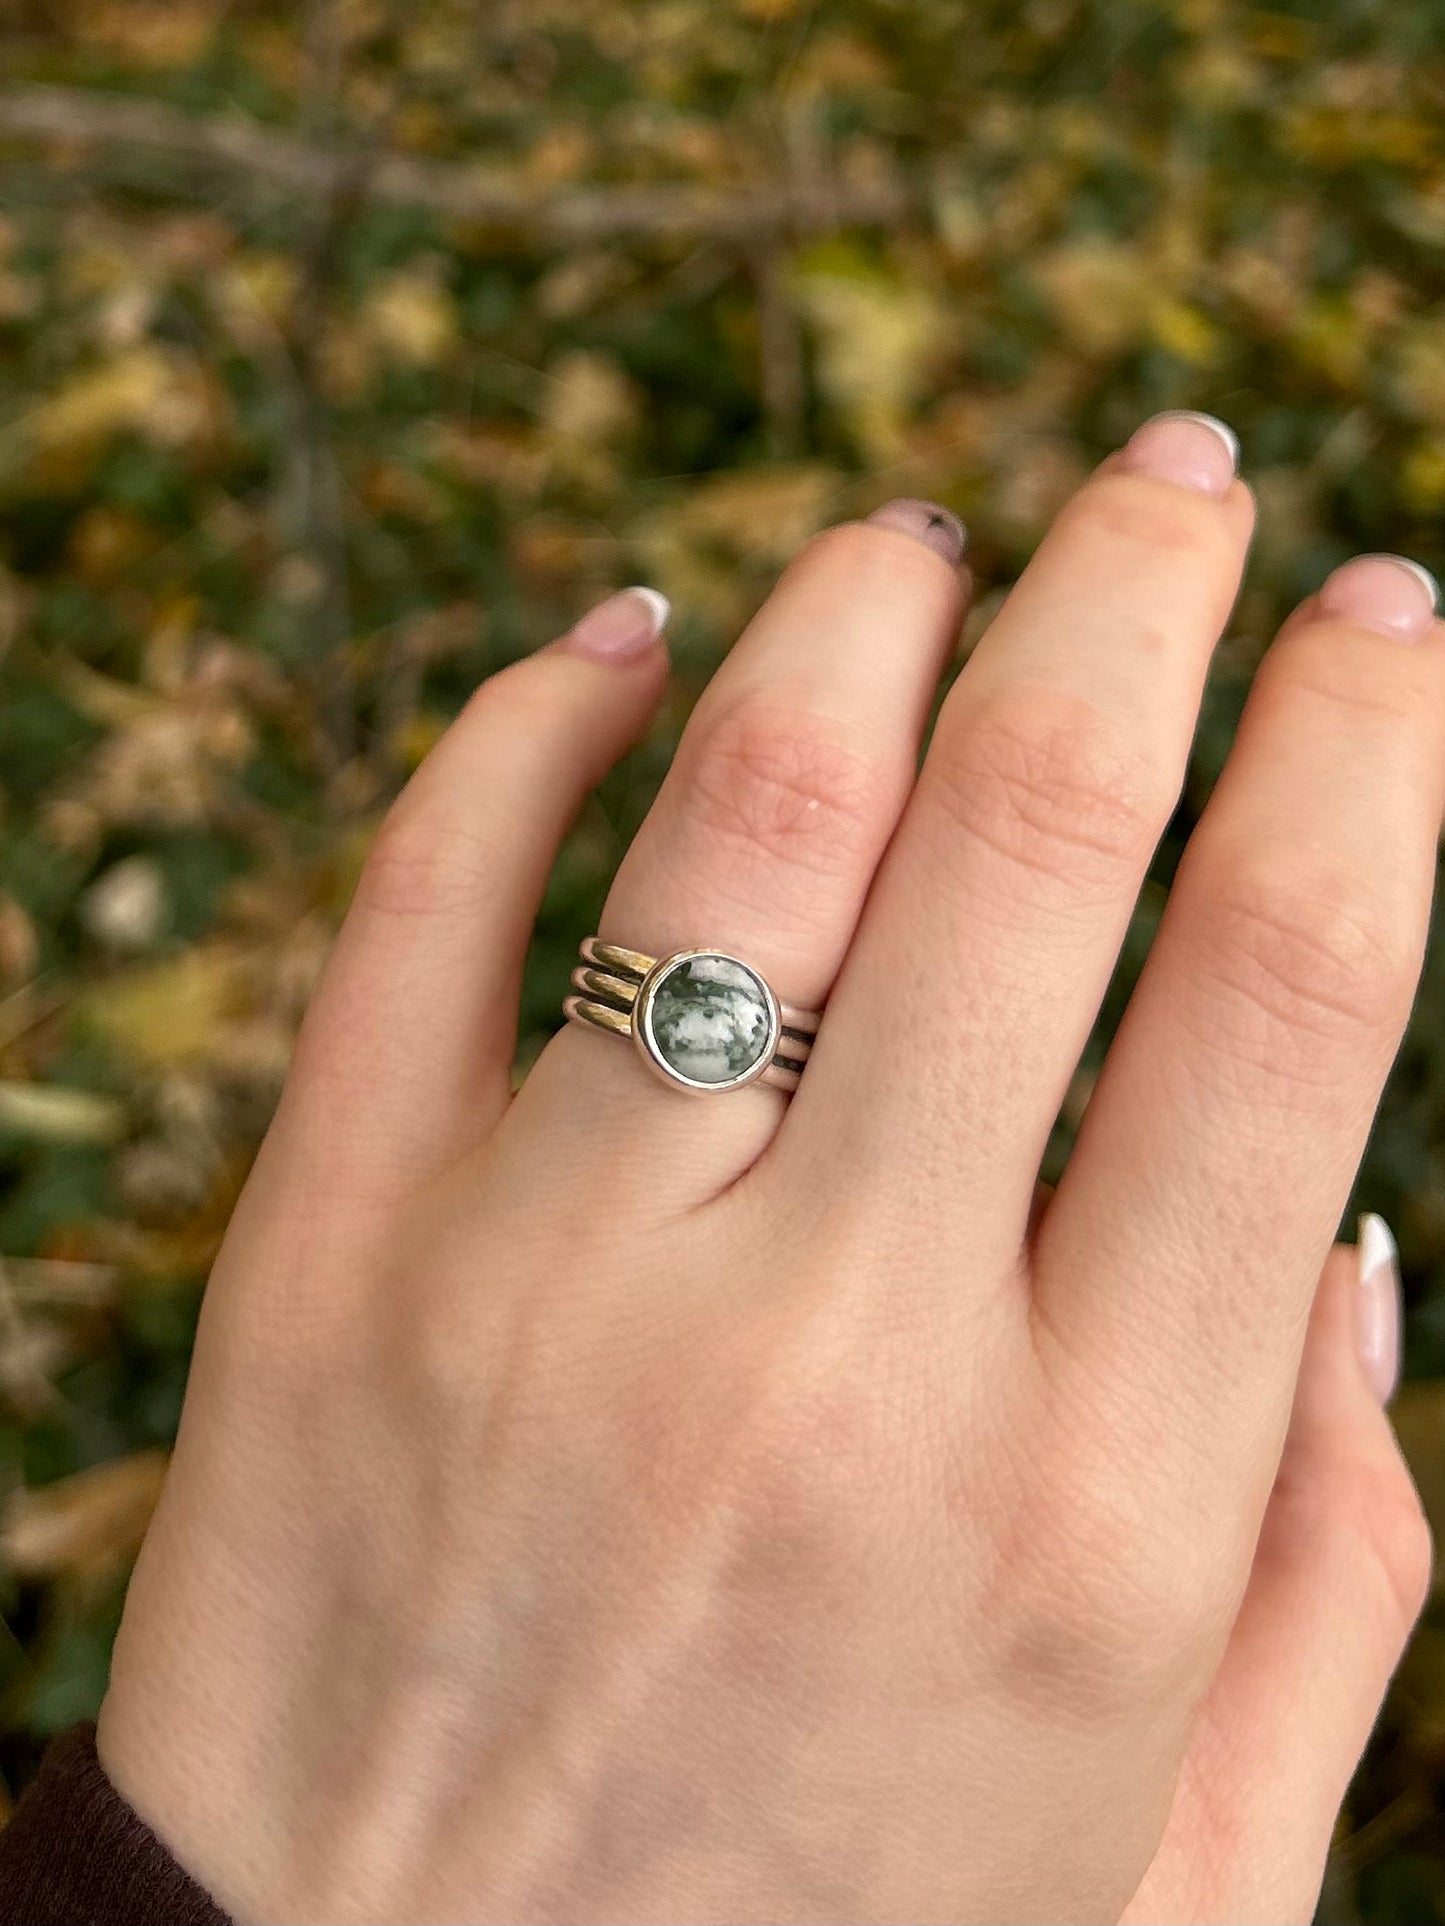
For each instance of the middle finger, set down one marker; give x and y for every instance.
(998, 916)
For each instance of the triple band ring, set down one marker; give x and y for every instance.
(701, 1019)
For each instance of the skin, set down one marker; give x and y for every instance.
(598, 1503)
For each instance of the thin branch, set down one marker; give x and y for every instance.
(315, 483)
(82, 118)
(782, 377)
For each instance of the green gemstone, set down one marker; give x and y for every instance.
(710, 1020)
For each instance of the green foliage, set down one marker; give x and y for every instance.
(284, 472)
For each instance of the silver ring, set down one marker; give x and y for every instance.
(702, 1020)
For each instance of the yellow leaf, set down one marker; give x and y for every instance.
(1101, 292)
(560, 155)
(1423, 475)
(81, 1525)
(346, 857)
(766, 512)
(1184, 331)
(505, 455)
(171, 1012)
(1219, 74)
(19, 941)
(254, 296)
(1328, 336)
(878, 338)
(104, 698)
(107, 542)
(418, 737)
(118, 394)
(1333, 136)
(165, 37)
(1420, 368)
(1418, 1415)
(53, 1113)
(710, 546)
(587, 399)
(149, 390)
(20, 296)
(412, 317)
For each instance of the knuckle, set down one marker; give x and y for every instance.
(1131, 511)
(419, 865)
(1304, 952)
(443, 1359)
(1370, 1512)
(809, 1469)
(1403, 1550)
(805, 1466)
(1105, 1614)
(1317, 667)
(1055, 788)
(764, 790)
(859, 560)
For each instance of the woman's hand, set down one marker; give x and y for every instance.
(1338, 1576)
(604, 1504)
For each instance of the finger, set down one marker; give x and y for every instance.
(1179, 1257)
(785, 788)
(1340, 1573)
(999, 914)
(405, 1054)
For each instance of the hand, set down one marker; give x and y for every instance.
(605, 1504)
(1339, 1573)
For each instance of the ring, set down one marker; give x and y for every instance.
(701, 1019)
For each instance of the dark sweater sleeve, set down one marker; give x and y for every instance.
(75, 1854)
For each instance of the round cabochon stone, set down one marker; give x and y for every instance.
(710, 1020)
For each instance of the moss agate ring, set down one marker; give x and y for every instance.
(702, 1020)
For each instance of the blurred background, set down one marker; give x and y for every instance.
(350, 348)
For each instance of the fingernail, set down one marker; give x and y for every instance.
(625, 625)
(1384, 592)
(1188, 449)
(937, 528)
(1377, 1306)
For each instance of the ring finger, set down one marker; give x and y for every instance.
(786, 786)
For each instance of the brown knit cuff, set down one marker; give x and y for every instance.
(75, 1854)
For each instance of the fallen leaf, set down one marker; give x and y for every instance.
(52, 1113)
(170, 1013)
(84, 1524)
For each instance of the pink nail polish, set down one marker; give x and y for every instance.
(936, 527)
(1377, 1306)
(624, 626)
(1191, 450)
(1384, 592)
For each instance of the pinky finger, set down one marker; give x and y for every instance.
(1340, 1574)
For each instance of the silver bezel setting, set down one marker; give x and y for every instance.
(647, 1044)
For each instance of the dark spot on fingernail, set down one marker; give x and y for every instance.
(936, 527)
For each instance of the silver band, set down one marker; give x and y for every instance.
(702, 1019)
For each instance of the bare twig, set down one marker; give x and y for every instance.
(313, 488)
(265, 155)
(780, 351)
(51, 1282)
(26, 1350)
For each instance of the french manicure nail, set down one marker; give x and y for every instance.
(936, 527)
(1385, 592)
(1377, 1306)
(625, 625)
(1191, 450)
